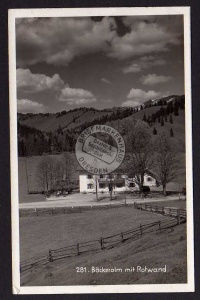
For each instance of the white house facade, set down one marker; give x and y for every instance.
(119, 183)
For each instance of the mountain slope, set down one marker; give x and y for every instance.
(76, 118)
(61, 130)
(178, 125)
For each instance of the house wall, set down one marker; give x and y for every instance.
(84, 182)
(149, 181)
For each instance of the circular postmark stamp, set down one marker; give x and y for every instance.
(100, 149)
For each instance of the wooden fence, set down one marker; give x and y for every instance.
(178, 213)
(105, 243)
(80, 209)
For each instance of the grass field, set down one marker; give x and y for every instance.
(176, 203)
(154, 250)
(68, 121)
(51, 123)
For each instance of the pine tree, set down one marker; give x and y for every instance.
(170, 108)
(171, 132)
(154, 131)
(176, 108)
(144, 118)
(171, 119)
(162, 122)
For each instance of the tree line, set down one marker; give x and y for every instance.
(144, 152)
(55, 173)
(166, 113)
(158, 154)
(32, 141)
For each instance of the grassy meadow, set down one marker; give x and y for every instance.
(157, 249)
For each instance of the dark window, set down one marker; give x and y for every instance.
(119, 185)
(90, 186)
(102, 185)
(131, 184)
(89, 176)
(101, 176)
(149, 179)
(119, 176)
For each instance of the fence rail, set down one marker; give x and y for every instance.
(178, 216)
(167, 211)
(80, 209)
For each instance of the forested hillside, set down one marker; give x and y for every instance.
(55, 133)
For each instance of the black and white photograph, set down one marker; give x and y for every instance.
(101, 150)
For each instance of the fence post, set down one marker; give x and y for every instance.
(77, 247)
(140, 229)
(36, 211)
(178, 216)
(145, 207)
(50, 256)
(101, 243)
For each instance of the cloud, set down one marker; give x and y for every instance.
(29, 106)
(137, 97)
(172, 23)
(28, 82)
(152, 79)
(33, 83)
(144, 62)
(133, 68)
(76, 96)
(58, 40)
(143, 38)
(105, 80)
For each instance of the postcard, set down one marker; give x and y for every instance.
(101, 150)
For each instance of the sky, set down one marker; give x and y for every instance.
(100, 62)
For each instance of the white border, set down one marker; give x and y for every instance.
(72, 12)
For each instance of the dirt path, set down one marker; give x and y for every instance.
(88, 200)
